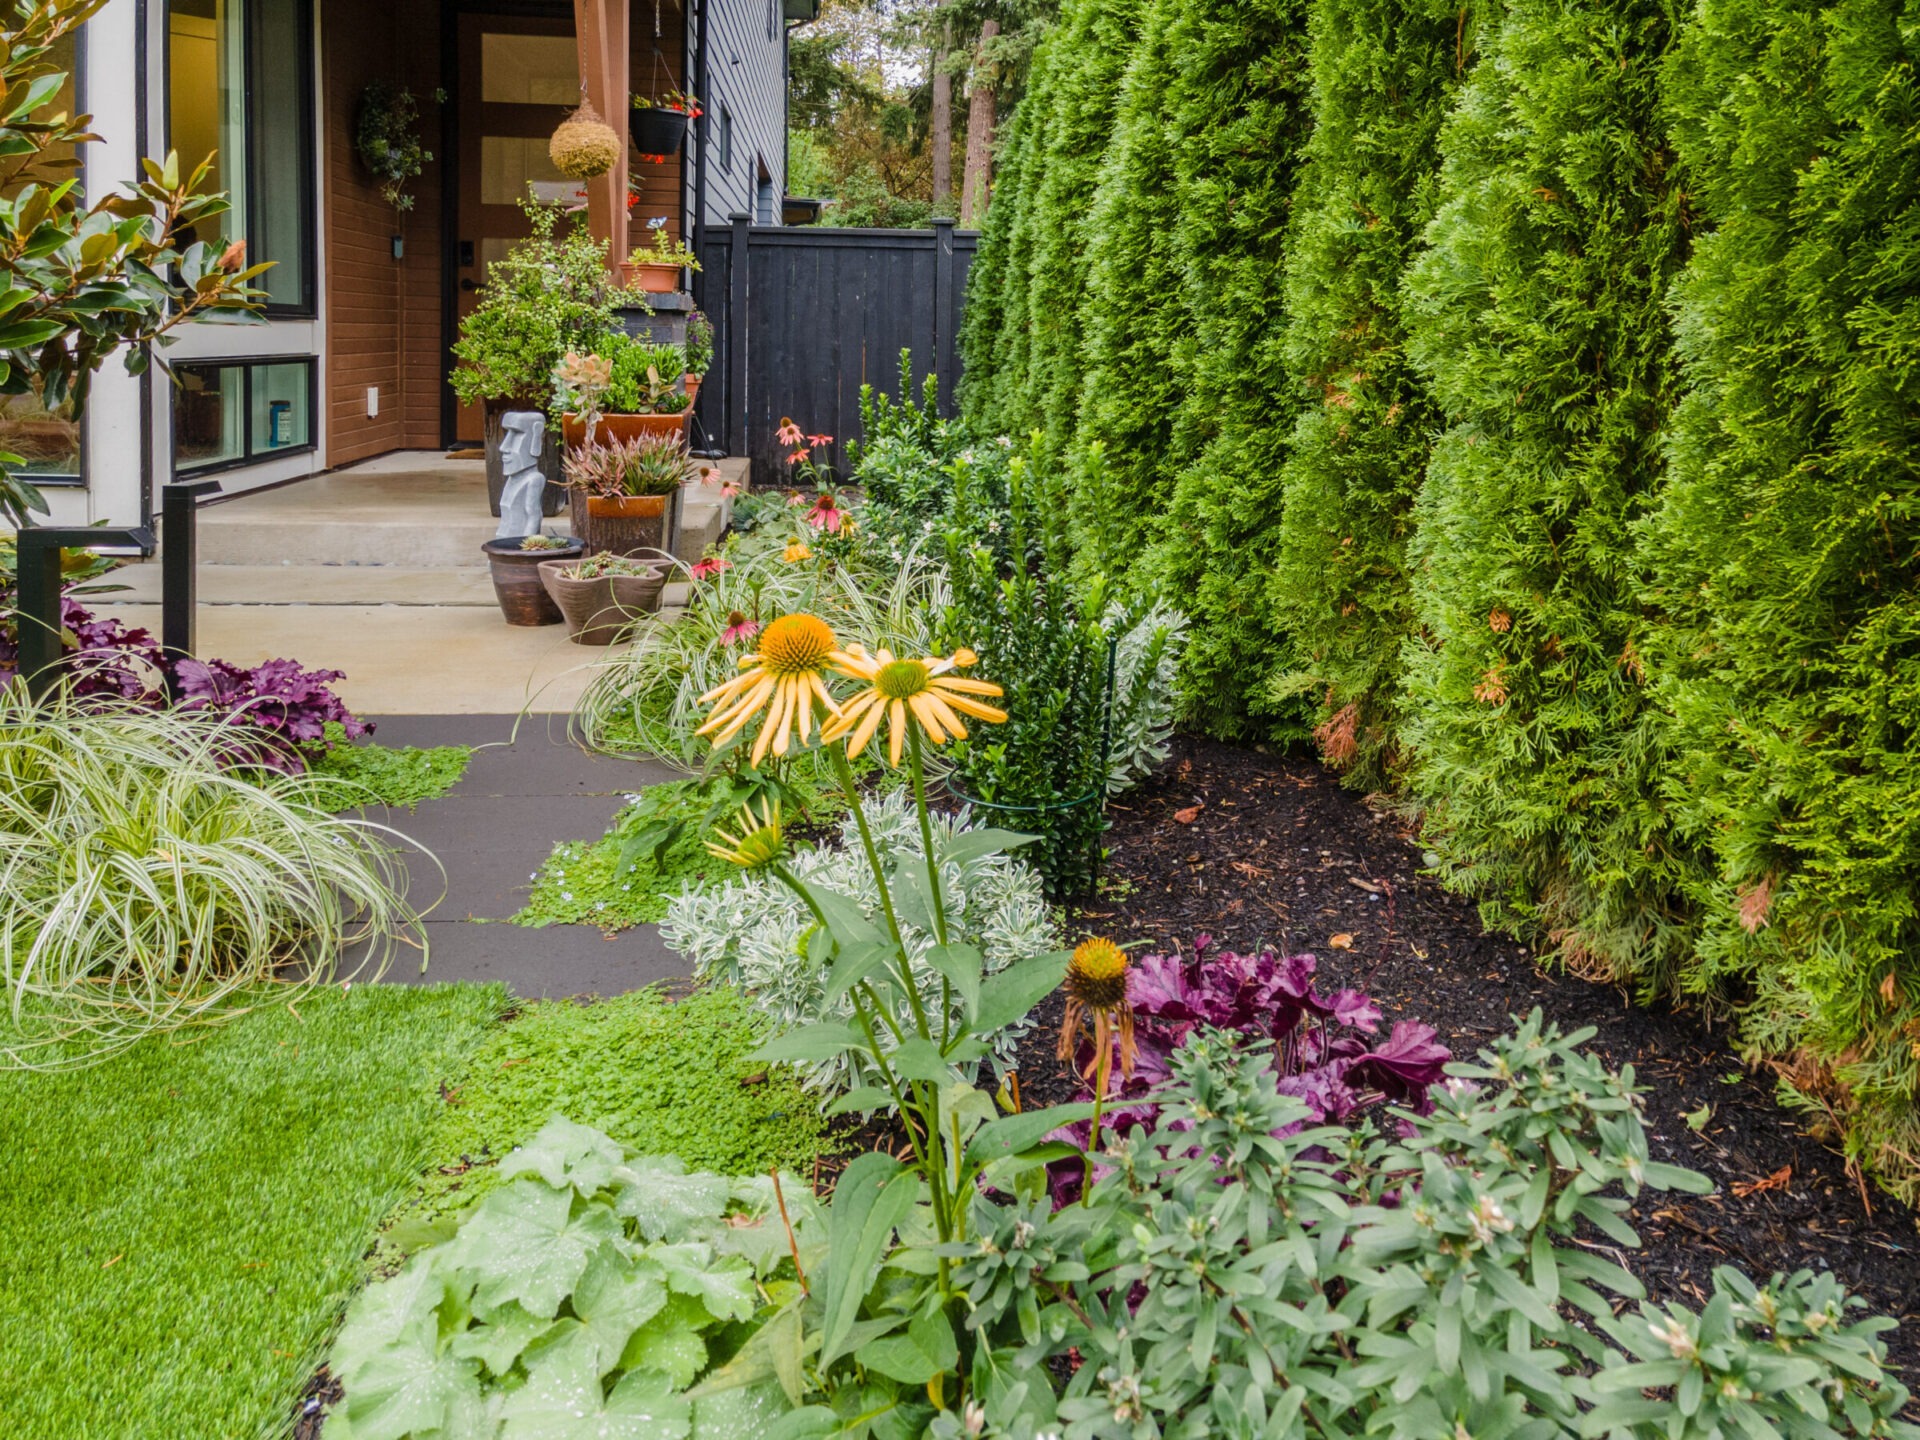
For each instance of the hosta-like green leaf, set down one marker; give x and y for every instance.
(658, 1195)
(723, 1286)
(406, 1391)
(523, 1245)
(562, 1401)
(872, 1196)
(565, 1154)
(1011, 993)
(499, 1340)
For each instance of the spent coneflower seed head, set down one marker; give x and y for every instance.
(1097, 974)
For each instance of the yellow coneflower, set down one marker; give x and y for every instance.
(788, 670)
(896, 689)
(759, 843)
(1096, 987)
(795, 552)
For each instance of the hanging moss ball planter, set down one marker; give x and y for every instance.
(585, 147)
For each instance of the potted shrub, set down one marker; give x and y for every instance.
(626, 493)
(547, 296)
(699, 354)
(602, 595)
(658, 126)
(642, 393)
(515, 564)
(656, 269)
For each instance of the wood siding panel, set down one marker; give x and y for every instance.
(383, 315)
(746, 72)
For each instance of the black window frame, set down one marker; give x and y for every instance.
(246, 364)
(308, 307)
(725, 157)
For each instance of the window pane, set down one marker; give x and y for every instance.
(510, 163)
(206, 100)
(280, 418)
(49, 441)
(529, 70)
(207, 423)
(280, 46)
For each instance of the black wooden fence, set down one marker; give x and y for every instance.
(804, 316)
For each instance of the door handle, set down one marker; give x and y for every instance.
(468, 285)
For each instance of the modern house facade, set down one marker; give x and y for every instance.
(350, 358)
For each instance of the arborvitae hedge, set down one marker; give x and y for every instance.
(1414, 441)
(1240, 120)
(1090, 48)
(1785, 551)
(985, 324)
(1537, 313)
(1137, 339)
(1385, 73)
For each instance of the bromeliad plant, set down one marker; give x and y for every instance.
(786, 685)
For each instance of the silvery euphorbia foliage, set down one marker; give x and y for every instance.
(753, 931)
(1240, 1272)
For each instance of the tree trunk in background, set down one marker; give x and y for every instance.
(976, 181)
(942, 139)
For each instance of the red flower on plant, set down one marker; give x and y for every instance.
(706, 569)
(788, 433)
(739, 628)
(797, 456)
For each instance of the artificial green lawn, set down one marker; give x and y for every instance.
(664, 1076)
(183, 1223)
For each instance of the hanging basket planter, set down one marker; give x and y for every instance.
(657, 130)
(585, 147)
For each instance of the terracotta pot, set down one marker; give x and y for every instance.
(599, 611)
(623, 427)
(516, 580)
(649, 528)
(650, 276)
(690, 382)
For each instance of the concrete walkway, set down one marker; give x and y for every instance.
(376, 570)
(523, 793)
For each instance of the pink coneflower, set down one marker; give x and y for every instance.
(826, 514)
(788, 433)
(739, 628)
(706, 569)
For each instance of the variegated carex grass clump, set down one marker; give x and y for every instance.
(147, 883)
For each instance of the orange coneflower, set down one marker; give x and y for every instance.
(924, 689)
(788, 671)
(1096, 987)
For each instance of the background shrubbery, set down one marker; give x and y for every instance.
(1522, 396)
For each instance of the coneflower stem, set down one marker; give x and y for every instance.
(933, 878)
(1102, 1073)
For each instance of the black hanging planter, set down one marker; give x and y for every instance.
(657, 130)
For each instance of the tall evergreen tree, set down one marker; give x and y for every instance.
(1385, 73)
(1091, 49)
(1537, 314)
(1239, 117)
(1137, 336)
(1785, 548)
(983, 324)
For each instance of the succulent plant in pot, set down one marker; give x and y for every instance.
(626, 493)
(602, 595)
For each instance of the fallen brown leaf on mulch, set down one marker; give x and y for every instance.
(1188, 815)
(1776, 1181)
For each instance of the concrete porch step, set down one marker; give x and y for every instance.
(341, 585)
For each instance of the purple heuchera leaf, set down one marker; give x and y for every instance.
(279, 710)
(1323, 1052)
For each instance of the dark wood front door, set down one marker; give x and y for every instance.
(518, 78)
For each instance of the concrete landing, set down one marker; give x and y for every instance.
(524, 792)
(414, 510)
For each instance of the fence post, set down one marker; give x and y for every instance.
(736, 429)
(179, 554)
(943, 283)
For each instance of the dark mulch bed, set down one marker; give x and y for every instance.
(1257, 848)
